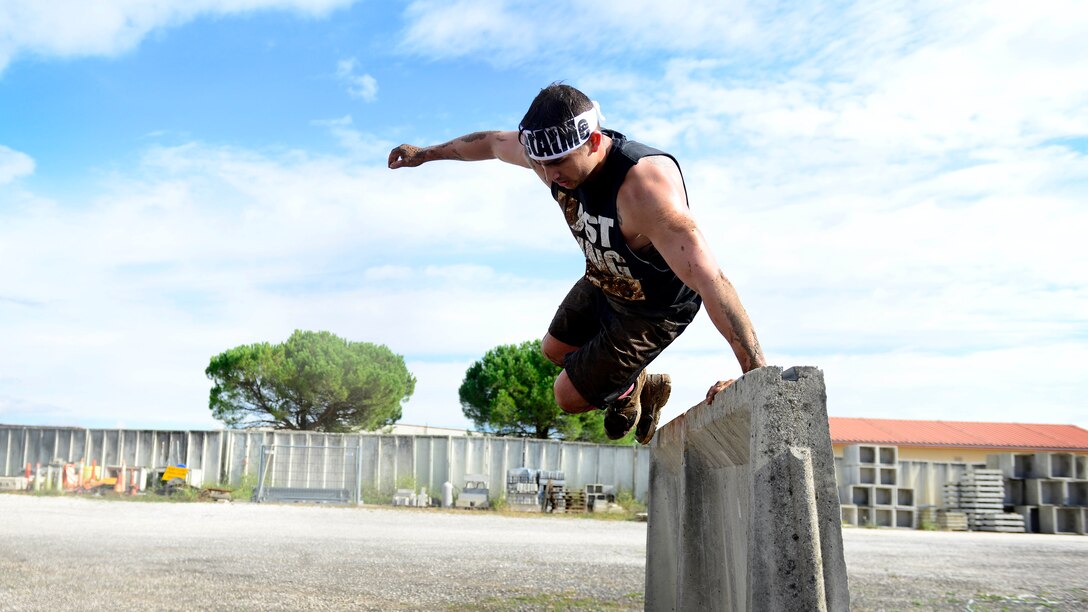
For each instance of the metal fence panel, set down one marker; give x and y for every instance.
(327, 473)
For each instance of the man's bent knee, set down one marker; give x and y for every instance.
(568, 398)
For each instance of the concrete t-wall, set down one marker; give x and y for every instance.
(743, 507)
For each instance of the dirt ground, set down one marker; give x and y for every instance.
(64, 553)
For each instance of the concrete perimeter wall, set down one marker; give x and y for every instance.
(744, 512)
(387, 460)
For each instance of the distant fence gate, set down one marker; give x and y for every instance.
(290, 473)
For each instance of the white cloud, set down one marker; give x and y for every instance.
(362, 86)
(510, 32)
(941, 79)
(14, 164)
(73, 28)
(486, 28)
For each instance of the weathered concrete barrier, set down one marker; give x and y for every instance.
(743, 509)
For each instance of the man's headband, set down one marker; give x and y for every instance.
(554, 142)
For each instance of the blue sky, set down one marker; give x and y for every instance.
(898, 192)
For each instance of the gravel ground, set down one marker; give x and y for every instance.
(83, 554)
(893, 569)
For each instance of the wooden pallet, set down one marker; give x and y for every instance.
(576, 502)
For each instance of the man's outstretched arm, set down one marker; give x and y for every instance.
(477, 146)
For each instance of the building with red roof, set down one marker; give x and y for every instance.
(956, 441)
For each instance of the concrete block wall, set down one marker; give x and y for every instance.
(743, 508)
(869, 480)
(1050, 490)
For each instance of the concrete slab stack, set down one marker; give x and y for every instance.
(869, 490)
(980, 494)
(952, 520)
(743, 510)
(1049, 490)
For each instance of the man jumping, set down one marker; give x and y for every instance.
(648, 267)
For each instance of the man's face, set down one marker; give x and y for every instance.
(572, 169)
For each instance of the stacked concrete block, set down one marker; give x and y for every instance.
(523, 490)
(743, 511)
(905, 514)
(1048, 490)
(1061, 519)
(870, 482)
(1077, 493)
(848, 513)
(599, 496)
(1044, 492)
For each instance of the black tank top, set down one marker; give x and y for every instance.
(642, 280)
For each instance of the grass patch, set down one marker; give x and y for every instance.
(376, 495)
(246, 487)
(626, 499)
(46, 492)
(383, 496)
(989, 601)
(560, 601)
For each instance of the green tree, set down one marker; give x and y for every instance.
(313, 381)
(509, 393)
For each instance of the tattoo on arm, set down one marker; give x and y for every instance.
(450, 150)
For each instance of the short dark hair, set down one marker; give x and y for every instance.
(553, 105)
